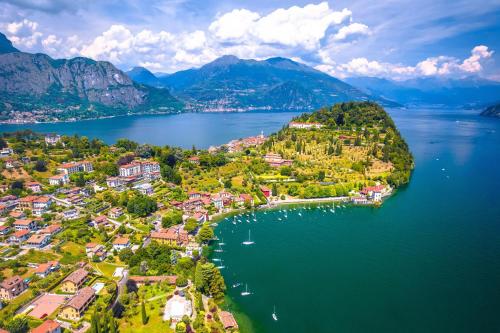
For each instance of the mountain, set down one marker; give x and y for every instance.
(469, 91)
(35, 87)
(492, 111)
(142, 75)
(229, 84)
(6, 45)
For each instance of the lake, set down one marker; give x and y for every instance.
(428, 260)
(181, 130)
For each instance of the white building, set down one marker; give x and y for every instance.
(300, 125)
(144, 188)
(52, 139)
(176, 308)
(59, 180)
(73, 167)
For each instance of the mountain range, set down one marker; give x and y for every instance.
(35, 87)
(232, 84)
(468, 91)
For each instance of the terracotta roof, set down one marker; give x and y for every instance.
(23, 222)
(20, 233)
(81, 298)
(29, 198)
(42, 199)
(37, 239)
(51, 229)
(121, 241)
(42, 268)
(10, 282)
(227, 320)
(77, 276)
(46, 327)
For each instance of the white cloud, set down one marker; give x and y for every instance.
(24, 33)
(351, 30)
(432, 66)
(233, 25)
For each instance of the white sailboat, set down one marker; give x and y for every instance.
(249, 241)
(246, 292)
(275, 316)
(221, 243)
(219, 249)
(221, 266)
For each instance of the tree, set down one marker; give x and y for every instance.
(274, 190)
(286, 171)
(126, 144)
(209, 280)
(205, 234)
(125, 255)
(41, 166)
(141, 205)
(321, 175)
(180, 327)
(191, 225)
(18, 325)
(143, 314)
(171, 218)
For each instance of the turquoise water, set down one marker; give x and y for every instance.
(427, 261)
(180, 130)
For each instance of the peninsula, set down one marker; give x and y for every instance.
(117, 236)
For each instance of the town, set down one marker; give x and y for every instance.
(111, 237)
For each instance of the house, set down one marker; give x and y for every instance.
(11, 163)
(247, 198)
(27, 224)
(130, 170)
(194, 160)
(59, 180)
(141, 280)
(99, 221)
(75, 308)
(26, 202)
(218, 202)
(375, 193)
(121, 243)
(71, 214)
(4, 230)
(302, 125)
(145, 188)
(149, 169)
(360, 200)
(35, 187)
(48, 326)
(41, 205)
(200, 217)
(175, 235)
(115, 212)
(227, 320)
(265, 191)
(74, 167)
(114, 182)
(38, 241)
(51, 229)
(74, 281)
(17, 214)
(45, 269)
(5, 152)
(19, 236)
(11, 287)
(95, 250)
(52, 139)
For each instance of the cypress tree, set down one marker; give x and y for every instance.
(144, 315)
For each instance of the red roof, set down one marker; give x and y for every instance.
(47, 326)
(121, 241)
(20, 233)
(23, 222)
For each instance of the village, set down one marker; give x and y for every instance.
(88, 228)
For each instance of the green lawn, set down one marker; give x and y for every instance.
(38, 256)
(133, 324)
(106, 268)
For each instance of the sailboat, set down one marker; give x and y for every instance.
(222, 242)
(216, 259)
(234, 220)
(219, 249)
(275, 316)
(221, 266)
(246, 292)
(249, 241)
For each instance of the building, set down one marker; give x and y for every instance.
(51, 229)
(149, 169)
(41, 205)
(95, 250)
(130, 170)
(74, 281)
(78, 304)
(141, 280)
(301, 125)
(121, 243)
(26, 202)
(19, 236)
(99, 221)
(35, 187)
(74, 167)
(59, 180)
(25, 224)
(38, 241)
(4, 230)
(115, 212)
(247, 198)
(145, 188)
(52, 139)
(114, 182)
(227, 320)
(48, 326)
(5, 152)
(362, 200)
(175, 235)
(218, 202)
(194, 160)
(45, 269)
(11, 287)
(375, 193)
(265, 191)
(71, 214)
(176, 308)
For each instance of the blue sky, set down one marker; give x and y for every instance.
(396, 39)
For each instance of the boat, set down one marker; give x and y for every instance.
(249, 241)
(300, 214)
(221, 266)
(222, 243)
(213, 224)
(215, 259)
(246, 292)
(236, 285)
(219, 249)
(275, 316)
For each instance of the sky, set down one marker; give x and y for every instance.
(393, 39)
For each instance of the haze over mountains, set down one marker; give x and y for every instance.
(35, 87)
